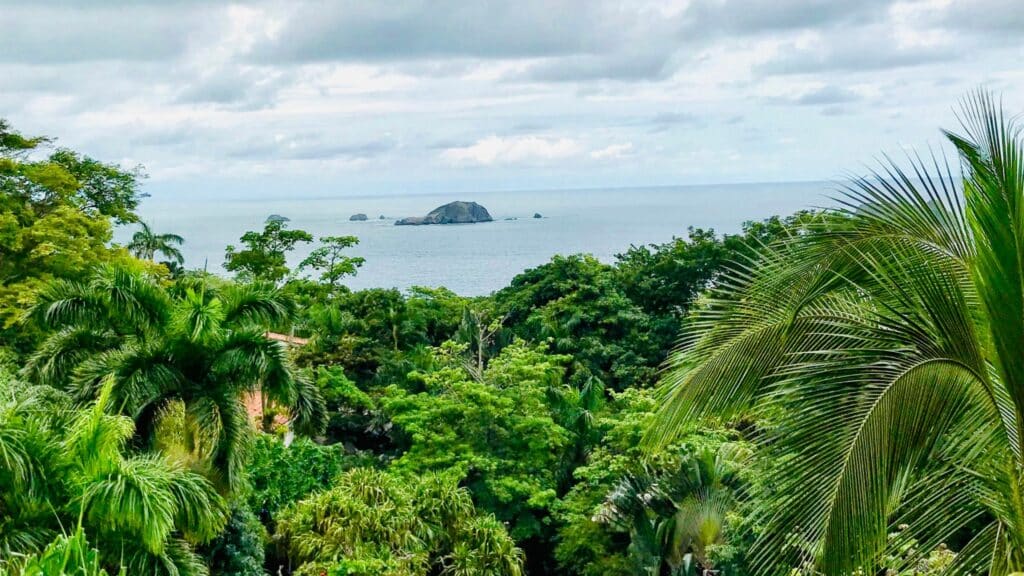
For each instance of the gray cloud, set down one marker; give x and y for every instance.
(235, 88)
(866, 53)
(321, 30)
(20, 78)
(59, 33)
(664, 121)
(835, 111)
(574, 41)
(177, 135)
(988, 16)
(826, 95)
(259, 86)
(716, 17)
(626, 66)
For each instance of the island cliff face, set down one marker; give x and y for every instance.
(451, 213)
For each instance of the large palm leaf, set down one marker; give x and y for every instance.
(883, 353)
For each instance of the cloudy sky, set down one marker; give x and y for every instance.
(345, 97)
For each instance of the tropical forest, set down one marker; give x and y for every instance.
(837, 391)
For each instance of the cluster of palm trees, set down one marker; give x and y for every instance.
(883, 355)
(140, 474)
(65, 468)
(199, 344)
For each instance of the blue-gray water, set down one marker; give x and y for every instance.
(474, 259)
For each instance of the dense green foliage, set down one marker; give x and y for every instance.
(378, 523)
(56, 217)
(239, 549)
(845, 400)
(281, 474)
(71, 468)
(500, 432)
(263, 257)
(612, 496)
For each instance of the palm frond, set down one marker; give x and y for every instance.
(886, 347)
(232, 449)
(54, 361)
(64, 303)
(306, 406)
(132, 298)
(257, 303)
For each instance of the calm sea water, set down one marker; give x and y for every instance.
(475, 259)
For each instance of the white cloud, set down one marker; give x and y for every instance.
(517, 149)
(613, 151)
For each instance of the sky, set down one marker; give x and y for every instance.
(321, 98)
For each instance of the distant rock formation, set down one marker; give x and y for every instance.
(537, 215)
(382, 217)
(451, 213)
(277, 218)
(358, 218)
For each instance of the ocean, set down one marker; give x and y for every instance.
(476, 259)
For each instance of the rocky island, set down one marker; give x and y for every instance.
(451, 213)
(358, 218)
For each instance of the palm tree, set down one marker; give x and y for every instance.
(146, 244)
(673, 518)
(196, 344)
(67, 467)
(882, 352)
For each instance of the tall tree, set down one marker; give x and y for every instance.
(330, 260)
(200, 345)
(264, 257)
(504, 430)
(146, 244)
(885, 351)
(56, 216)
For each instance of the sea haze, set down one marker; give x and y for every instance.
(476, 259)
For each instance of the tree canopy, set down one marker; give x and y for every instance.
(831, 392)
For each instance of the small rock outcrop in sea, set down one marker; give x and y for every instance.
(358, 218)
(382, 217)
(451, 213)
(537, 215)
(277, 218)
